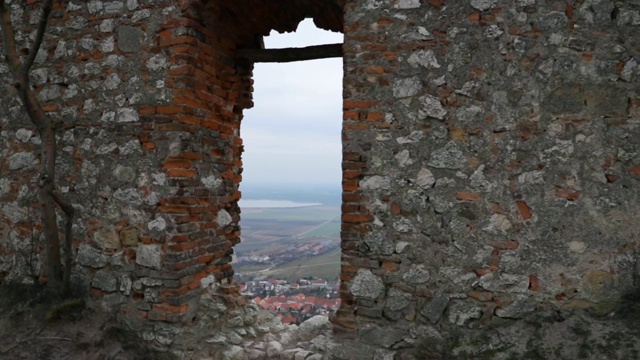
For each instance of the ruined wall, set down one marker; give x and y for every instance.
(149, 97)
(149, 153)
(490, 161)
(490, 155)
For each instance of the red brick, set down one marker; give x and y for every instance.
(166, 308)
(568, 194)
(358, 104)
(524, 209)
(49, 107)
(634, 171)
(147, 110)
(480, 295)
(375, 116)
(395, 209)
(173, 209)
(181, 173)
(356, 218)
(390, 266)
(467, 196)
(534, 283)
(351, 185)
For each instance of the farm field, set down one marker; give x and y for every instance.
(289, 243)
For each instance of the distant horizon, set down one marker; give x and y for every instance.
(323, 193)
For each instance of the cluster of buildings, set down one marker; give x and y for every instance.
(296, 302)
(290, 253)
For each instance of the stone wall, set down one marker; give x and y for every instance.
(490, 161)
(149, 98)
(149, 106)
(490, 155)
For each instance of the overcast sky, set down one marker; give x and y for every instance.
(292, 134)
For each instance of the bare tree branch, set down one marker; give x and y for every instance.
(42, 27)
(9, 39)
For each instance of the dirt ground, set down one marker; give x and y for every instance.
(33, 327)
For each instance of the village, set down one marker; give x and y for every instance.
(294, 302)
(292, 252)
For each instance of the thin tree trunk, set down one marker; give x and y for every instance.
(57, 282)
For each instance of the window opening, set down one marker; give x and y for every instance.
(291, 193)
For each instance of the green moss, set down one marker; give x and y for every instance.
(68, 307)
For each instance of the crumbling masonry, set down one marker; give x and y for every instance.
(490, 167)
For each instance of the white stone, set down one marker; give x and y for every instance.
(448, 157)
(107, 26)
(112, 81)
(505, 282)
(108, 45)
(49, 93)
(498, 223)
(22, 161)
(407, 4)
(577, 246)
(415, 136)
(159, 178)
(127, 115)
(113, 7)
(14, 212)
(141, 14)
(417, 275)
(367, 285)
(431, 107)
(24, 135)
(94, 6)
(425, 179)
(73, 6)
(223, 218)
(401, 246)
(483, 5)
(630, 68)
(425, 58)
(274, 349)
(531, 177)
(129, 196)
(211, 182)
(376, 182)
(39, 76)
(403, 88)
(158, 224)
(313, 327)
(404, 158)
(157, 62)
(149, 256)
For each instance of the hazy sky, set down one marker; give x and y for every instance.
(292, 134)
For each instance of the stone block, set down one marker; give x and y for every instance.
(130, 39)
(129, 236)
